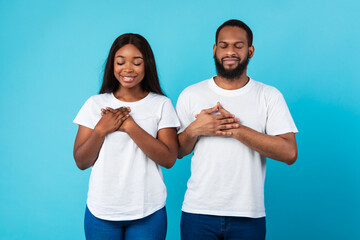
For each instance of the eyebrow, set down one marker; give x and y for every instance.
(234, 43)
(137, 57)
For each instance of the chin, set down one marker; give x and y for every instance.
(230, 68)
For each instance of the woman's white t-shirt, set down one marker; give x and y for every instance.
(124, 183)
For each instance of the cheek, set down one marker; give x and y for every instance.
(116, 68)
(141, 72)
(245, 52)
(219, 53)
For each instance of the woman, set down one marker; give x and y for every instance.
(125, 134)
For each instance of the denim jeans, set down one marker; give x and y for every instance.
(208, 227)
(152, 227)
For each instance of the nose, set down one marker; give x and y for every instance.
(128, 67)
(230, 50)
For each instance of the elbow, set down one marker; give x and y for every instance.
(181, 153)
(170, 161)
(291, 158)
(81, 167)
(80, 164)
(169, 164)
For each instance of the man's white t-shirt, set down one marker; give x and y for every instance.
(125, 184)
(227, 177)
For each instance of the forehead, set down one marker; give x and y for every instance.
(128, 50)
(230, 34)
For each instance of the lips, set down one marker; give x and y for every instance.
(128, 78)
(230, 61)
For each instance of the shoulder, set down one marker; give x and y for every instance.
(158, 102)
(100, 99)
(195, 88)
(270, 95)
(157, 98)
(266, 90)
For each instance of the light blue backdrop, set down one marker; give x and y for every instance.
(51, 58)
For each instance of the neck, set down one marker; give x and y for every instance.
(130, 94)
(232, 84)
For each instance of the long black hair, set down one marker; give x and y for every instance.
(150, 83)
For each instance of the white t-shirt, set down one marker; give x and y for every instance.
(227, 177)
(125, 184)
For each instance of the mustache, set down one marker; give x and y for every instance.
(232, 57)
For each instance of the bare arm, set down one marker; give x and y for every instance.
(88, 141)
(87, 146)
(281, 147)
(162, 150)
(187, 141)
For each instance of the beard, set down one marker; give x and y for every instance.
(231, 74)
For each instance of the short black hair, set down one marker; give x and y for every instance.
(150, 82)
(239, 24)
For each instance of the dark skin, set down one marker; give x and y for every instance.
(232, 45)
(129, 70)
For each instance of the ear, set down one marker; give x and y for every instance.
(251, 51)
(214, 49)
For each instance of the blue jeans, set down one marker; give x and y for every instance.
(152, 227)
(208, 227)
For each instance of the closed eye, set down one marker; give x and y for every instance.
(239, 45)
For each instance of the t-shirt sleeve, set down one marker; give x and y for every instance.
(168, 118)
(279, 120)
(89, 114)
(184, 112)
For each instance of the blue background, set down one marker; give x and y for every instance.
(51, 60)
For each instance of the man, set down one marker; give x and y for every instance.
(232, 123)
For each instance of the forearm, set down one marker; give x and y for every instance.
(86, 154)
(187, 140)
(282, 148)
(155, 149)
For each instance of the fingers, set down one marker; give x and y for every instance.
(224, 116)
(224, 133)
(216, 108)
(124, 117)
(229, 120)
(210, 110)
(121, 114)
(223, 110)
(228, 126)
(109, 109)
(122, 109)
